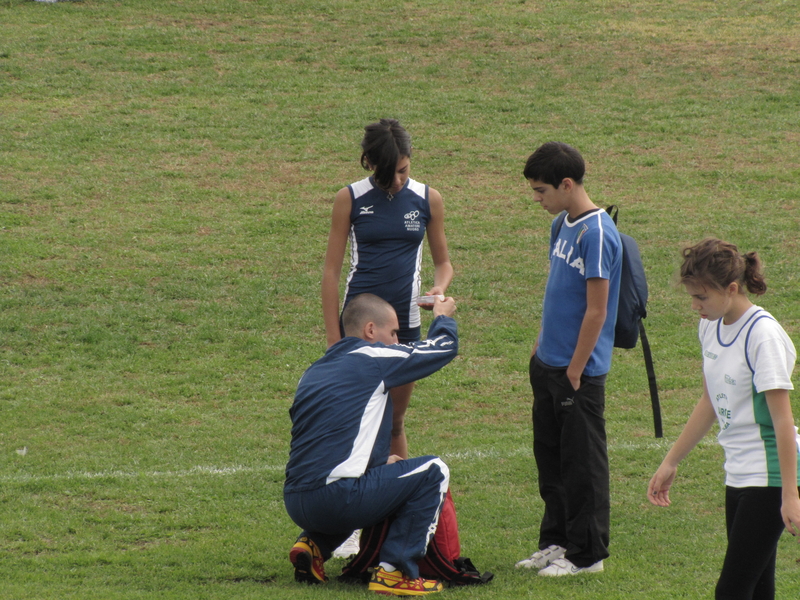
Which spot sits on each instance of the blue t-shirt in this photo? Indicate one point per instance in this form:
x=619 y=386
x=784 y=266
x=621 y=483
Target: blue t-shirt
x=585 y=248
x=386 y=237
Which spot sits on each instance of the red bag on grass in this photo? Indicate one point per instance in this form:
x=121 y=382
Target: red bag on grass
x=443 y=560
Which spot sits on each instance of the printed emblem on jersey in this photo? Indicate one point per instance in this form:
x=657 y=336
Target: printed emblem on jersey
x=367 y=210
x=723 y=410
x=411 y=220
x=583 y=230
x=710 y=355
x=730 y=380
x=558 y=250
x=431 y=343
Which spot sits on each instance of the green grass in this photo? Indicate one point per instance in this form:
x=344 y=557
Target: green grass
x=166 y=177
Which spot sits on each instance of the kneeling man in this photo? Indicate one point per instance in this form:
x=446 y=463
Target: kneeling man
x=340 y=476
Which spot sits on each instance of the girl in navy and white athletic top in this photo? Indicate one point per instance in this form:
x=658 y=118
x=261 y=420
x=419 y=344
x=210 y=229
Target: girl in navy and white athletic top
x=747 y=367
x=386 y=247
x=385 y=218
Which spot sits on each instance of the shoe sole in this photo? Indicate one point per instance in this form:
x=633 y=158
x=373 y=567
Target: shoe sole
x=383 y=591
x=403 y=593
x=387 y=591
x=303 y=573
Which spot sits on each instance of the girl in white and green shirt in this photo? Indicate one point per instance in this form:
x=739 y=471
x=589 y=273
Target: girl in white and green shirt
x=747 y=366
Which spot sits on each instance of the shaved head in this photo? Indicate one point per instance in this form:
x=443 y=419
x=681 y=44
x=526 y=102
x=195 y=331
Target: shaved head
x=363 y=309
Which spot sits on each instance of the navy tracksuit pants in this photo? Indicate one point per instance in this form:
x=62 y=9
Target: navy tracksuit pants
x=412 y=491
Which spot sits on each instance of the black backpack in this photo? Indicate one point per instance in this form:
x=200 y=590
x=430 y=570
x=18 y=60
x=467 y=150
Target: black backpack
x=632 y=309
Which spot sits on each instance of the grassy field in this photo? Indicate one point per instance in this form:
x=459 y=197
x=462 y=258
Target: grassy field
x=167 y=171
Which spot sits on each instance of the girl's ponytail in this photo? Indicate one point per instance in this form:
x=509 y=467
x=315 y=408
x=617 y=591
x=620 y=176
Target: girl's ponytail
x=717 y=264
x=754 y=274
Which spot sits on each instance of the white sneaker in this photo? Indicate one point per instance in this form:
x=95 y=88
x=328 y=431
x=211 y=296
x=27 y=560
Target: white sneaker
x=349 y=547
x=562 y=566
x=541 y=558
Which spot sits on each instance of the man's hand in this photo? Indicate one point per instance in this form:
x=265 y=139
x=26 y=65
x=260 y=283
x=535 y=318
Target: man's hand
x=446 y=307
x=393 y=459
x=432 y=293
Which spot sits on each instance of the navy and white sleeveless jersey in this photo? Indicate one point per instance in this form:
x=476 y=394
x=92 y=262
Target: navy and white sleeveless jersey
x=585 y=248
x=741 y=361
x=386 y=245
x=342 y=411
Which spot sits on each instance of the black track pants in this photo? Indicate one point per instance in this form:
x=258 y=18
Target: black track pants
x=753 y=518
x=569 y=444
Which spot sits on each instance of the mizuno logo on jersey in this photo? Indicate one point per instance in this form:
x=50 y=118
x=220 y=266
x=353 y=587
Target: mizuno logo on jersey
x=367 y=210
x=431 y=342
x=434 y=346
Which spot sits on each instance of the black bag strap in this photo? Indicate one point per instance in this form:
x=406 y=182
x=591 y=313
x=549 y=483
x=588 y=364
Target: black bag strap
x=460 y=572
x=358 y=569
x=559 y=222
x=613 y=212
x=651 y=380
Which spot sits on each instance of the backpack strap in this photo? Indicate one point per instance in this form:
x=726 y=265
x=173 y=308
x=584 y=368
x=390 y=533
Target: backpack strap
x=372 y=538
x=559 y=222
x=461 y=571
x=613 y=211
x=651 y=380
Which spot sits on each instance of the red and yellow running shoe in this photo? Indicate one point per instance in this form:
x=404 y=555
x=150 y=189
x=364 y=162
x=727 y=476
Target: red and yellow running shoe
x=308 y=563
x=395 y=583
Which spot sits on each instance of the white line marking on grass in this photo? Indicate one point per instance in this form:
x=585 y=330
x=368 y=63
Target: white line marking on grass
x=528 y=450
x=197 y=470
x=477 y=454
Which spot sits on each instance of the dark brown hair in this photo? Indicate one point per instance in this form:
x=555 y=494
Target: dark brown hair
x=717 y=264
x=383 y=144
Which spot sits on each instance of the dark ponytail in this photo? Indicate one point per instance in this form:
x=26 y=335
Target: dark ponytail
x=383 y=144
x=754 y=274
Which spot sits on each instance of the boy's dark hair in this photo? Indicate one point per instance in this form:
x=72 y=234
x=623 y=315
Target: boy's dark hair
x=553 y=162
x=383 y=144
x=362 y=309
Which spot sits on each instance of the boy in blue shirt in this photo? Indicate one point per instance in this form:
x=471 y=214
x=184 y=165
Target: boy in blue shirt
x=568 y=367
